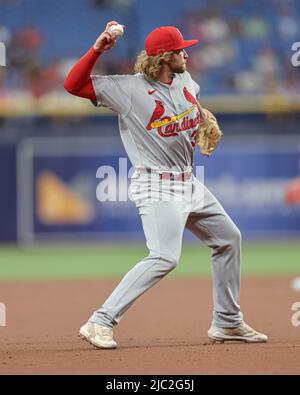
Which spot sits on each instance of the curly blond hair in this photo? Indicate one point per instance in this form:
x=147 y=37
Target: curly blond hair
x=150 y=65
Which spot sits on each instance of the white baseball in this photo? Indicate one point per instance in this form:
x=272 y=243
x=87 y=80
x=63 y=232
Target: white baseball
x=118 y=30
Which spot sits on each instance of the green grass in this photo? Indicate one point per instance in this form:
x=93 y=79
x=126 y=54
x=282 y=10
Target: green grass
x=116 y=260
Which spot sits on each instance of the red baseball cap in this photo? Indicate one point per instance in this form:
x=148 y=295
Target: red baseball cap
x=166 y=39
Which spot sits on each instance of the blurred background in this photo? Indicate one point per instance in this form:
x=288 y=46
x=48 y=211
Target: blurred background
x=51 y=144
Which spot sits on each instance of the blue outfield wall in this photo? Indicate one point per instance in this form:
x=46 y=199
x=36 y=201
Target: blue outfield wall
x=8 y=203
x=49 y=188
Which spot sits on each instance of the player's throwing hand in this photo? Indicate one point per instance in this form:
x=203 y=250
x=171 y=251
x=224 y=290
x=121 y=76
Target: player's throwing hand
x=107 y=39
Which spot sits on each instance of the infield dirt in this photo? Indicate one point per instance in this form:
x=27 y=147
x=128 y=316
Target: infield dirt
x=163 y=333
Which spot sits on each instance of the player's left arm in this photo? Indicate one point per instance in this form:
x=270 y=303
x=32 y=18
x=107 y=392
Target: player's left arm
x=209 y=133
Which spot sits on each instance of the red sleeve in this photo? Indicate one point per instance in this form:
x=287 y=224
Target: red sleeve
x=78 y=81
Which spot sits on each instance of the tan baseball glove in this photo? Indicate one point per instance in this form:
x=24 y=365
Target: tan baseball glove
x=209 y=133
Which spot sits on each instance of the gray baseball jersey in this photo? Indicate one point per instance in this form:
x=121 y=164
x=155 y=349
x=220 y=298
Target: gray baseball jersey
x=157 y=121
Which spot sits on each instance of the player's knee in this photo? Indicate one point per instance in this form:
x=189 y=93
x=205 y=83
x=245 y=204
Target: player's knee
x=167 y=263
x=172 y=263
x=232 y=240
x=235 y=237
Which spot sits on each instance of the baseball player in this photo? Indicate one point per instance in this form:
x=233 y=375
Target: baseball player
x=159 y=116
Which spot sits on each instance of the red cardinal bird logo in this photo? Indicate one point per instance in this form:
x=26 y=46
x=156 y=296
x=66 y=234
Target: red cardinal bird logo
x=189 y=97
x=157 y=114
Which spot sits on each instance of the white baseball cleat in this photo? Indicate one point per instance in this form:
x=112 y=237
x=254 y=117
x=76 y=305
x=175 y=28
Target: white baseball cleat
x=98 y=335
x=243 y=333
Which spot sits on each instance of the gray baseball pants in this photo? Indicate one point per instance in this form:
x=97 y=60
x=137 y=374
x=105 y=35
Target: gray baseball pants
x=166 y=208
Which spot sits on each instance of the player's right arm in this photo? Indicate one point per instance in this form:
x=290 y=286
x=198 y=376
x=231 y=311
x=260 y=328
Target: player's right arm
x=78 y=81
